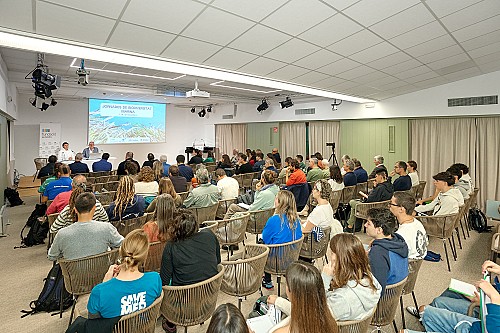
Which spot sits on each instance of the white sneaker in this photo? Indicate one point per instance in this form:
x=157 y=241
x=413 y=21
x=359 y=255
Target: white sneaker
x=413 y=311
x=303 y=213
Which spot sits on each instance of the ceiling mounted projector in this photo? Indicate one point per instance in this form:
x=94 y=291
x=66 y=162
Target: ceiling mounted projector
x=197 y=93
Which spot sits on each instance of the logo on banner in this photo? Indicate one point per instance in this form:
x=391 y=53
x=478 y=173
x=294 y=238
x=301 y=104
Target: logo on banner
x=47 y=134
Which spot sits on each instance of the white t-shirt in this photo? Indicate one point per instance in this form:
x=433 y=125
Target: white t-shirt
x=336 y=186
x=228 y=188
x=415 y=237
x=146 y=188
x=65 y=155
x=322 y=216
x=414 y=178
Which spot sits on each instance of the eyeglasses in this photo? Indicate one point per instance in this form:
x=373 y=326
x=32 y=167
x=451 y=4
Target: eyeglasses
x=393 y=204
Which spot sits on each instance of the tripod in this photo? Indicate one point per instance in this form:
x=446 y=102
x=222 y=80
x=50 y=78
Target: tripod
x=333 y=156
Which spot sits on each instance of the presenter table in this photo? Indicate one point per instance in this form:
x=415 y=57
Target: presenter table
x=89 y=162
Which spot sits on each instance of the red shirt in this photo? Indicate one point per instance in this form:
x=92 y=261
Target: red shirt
x=296 y=177
x=60 y=201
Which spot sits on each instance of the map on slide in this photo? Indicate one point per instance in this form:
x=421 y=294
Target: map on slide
x=112 y=121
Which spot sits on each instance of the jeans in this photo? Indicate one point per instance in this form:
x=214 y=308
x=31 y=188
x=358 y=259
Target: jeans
x=454 y=302
x=445 y=321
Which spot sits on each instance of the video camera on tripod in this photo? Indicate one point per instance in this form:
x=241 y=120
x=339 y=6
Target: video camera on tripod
x=332 y=156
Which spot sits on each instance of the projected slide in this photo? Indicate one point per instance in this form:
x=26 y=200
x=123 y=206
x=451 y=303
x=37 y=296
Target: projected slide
x=113 y=121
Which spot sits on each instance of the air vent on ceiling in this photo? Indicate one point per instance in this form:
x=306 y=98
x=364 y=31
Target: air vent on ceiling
x=305 y=111
x=227 y=116
x=470 y=101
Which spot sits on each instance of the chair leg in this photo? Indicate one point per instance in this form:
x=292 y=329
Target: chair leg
x=458 y=237
x=446 y=252
x=402 y=311
x=279 y=285
x=462 y=227
x=185 y=329
x=453 y=247
x=239 y=303
x=72 y=312
x=395 y=327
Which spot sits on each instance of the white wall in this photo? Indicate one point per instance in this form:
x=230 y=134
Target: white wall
x=7 y=105
x=182 y=129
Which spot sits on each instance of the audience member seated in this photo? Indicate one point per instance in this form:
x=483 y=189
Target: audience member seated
x=90 y=149
x=259 y=162
x=234 y=158
x=307 y=309
x=62 y=199
x=48 y=169
x=132 y=171
x=361 y=174
x=388 y=252
x=127 y=204
x=228 y=186
x=302 y=165
x=165 y=187
x=378 y=160
x=77 y=166
x=224 y=162
x=402 y=206
x=403 y=182
x=336 y=180
x=264 y=197
x=465 y=175
x=322 y=214
x=60 y=185
x=344 y=158
x=210 y=157
x=448 y=312
x=102 y=164
x=146 y=186
x=269 y=165
x=325 y=168
x=85 y=237
x=205 y=194
x=166 y=166
x=350 y=178
x=184 y=170
x=150 y=161
x=382 y=190
x=352 y=292
x=54 y=176
x=65 y=154
x=227 y=318
x=68 y=215
x=157 y=170
x=411 y=167
x=294 y=175
x=162 y=220
x=190 y=256
x=179 y=182
x=125 y=289
x=285 y=166
x=459 y=184
x=282 y=227
x=196 y=158
x=243 y=166
x=315 y=173
x=276 y=155
x=271 y=156
x=129 y=157
x=447 y=201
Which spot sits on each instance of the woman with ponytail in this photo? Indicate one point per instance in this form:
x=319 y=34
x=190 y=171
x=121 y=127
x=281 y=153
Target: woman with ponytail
x=125 y=289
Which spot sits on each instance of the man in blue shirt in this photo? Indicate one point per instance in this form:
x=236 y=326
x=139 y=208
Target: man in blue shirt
x=361 y=174
x=63 y=184
x=184 y=170
x=349 y=178
x=103 y=164
x=166 y=166
x=403 y=183
x=77 y=166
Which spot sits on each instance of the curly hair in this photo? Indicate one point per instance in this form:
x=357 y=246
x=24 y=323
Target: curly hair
x=324 y=189
x=146 y=175
x=184 y=225
x=124 y=195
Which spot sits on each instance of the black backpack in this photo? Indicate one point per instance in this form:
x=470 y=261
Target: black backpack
x=38 y=230
x=477 y=220
x=49 y=299
x=13 y=197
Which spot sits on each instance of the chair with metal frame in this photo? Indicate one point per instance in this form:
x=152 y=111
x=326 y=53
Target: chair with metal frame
x=142 y=321
x=40 y=162
x=312 y=248
x=126 y=226
x=387 y=306
x=413 y=269
x=232 y=231
x=355 y=326
x=203 y=214
x=257 y=221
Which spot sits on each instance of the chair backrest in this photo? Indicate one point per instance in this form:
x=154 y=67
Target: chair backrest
x=225 y=203
x=363 y=207
x=355 y=326
x=183 y=195
x=388 y=304
x=51 y=218
x=461 y=212
x=363 y=187
x=413 y=268
x=81 y=275
x=243 y=273
x=347 y=194
x=335 y=199
x=97 y=187
x=258 y=219
x=105 y=198
x=232 y=231
x=247 y=180
x=239 y=178
x=40 y=162
x=126 y=226
x=313 y=249
x=192 y=304
x=99 y=173
x=282 y=255
x=210 y=225
x=153 y=261
x=203 y=214
x=440 y=226
x=474 y=197
x=149 y=216
x=420 y=191
x=111 y=186
x=142 y=321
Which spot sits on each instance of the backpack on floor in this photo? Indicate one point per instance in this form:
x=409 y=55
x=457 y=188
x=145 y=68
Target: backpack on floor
x=477 y=220
x=432 y=256
x=13 y=197
x=49 y=299
x=38 y=229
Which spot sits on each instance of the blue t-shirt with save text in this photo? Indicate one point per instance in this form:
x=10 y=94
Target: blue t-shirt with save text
x=115 y=297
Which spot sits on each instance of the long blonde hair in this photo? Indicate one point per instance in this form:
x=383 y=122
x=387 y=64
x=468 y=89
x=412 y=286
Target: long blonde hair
x=124 y=195
x=166 y=186
x=287 y=207
x=164 y=214
x=134 y=249
x=158 y=170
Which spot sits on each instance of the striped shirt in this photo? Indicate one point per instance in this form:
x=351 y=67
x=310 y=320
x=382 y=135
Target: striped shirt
x=65 y=217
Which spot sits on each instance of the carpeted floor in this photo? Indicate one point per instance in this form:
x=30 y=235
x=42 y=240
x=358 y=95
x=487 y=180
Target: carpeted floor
x=24 y=270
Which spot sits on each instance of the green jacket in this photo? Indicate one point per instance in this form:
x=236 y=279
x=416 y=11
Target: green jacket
x=202 y=196
x=264 y=198
x=314 y=175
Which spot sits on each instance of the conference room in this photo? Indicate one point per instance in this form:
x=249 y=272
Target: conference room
x=412 y=80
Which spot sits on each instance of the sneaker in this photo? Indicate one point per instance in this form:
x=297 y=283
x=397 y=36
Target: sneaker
x=267 y=285
x=413 y=311
x=167 y=326
x=303 y=213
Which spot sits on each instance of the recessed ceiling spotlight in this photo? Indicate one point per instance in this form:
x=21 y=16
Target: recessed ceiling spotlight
x=286 y=103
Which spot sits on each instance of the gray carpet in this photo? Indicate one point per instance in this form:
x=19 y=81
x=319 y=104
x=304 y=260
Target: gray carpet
x=24 y=269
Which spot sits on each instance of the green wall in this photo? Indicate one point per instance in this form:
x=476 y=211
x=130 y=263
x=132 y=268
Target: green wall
x=263 y=136
x=3 y=157
x=364 y=139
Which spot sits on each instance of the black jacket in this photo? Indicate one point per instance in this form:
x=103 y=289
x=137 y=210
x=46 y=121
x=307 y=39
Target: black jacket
x=121 y=166
x=46 y=171
x=381 y=192
x=377 y=168
x=244 y=168
x=196 y=160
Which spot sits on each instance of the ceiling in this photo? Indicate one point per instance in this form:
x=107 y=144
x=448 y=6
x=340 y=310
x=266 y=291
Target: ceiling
x=375 y=49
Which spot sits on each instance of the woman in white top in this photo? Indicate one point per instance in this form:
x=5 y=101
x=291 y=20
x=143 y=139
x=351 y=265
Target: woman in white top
x=411 y=168
x=146 y=186
x=336 y=180
x=322 y=214
x=307 y=309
